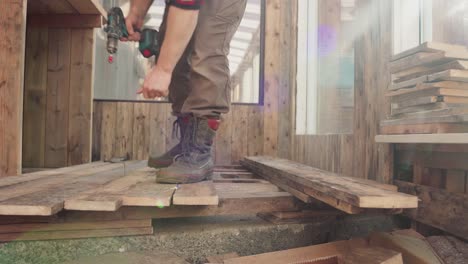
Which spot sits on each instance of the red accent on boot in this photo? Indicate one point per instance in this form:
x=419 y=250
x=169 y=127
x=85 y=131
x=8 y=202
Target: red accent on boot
x=213 y=124
x=186 y=119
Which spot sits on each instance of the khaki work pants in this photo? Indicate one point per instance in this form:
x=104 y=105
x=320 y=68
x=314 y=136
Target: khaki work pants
x=201 y=80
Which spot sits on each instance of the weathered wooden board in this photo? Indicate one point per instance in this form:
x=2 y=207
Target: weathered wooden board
x=357 y=192
x=449 y=75
x=435 y=47
x=203 y=193
x=134 y=188
x=412 y=246
x=435 y=128
x=450 y=138
x=47 y=196
x=438 y=208
x=421 y=71
x=422 y=108
x=431 y=99
x=302 y=255
x=58 y=88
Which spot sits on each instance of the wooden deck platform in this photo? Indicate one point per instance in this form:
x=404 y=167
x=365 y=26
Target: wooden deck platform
x=108 y=187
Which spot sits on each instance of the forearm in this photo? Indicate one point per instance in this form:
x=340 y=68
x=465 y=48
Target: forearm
x=140 y=7
x=181 y=24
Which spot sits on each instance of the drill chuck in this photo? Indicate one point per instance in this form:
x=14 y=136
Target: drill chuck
x=112 y=44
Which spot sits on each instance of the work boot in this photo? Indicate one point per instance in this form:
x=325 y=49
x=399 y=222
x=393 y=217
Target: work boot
x=178 y=131
x=195 y=164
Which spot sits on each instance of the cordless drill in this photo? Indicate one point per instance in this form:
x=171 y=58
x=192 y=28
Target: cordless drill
x=116 y=29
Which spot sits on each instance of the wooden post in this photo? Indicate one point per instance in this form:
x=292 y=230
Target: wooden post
x=12 y=47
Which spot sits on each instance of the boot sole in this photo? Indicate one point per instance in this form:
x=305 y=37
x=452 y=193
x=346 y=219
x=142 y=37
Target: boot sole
x=168 y=180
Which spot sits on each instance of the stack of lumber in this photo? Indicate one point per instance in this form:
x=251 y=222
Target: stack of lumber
x=429 y=90
x=351 y=195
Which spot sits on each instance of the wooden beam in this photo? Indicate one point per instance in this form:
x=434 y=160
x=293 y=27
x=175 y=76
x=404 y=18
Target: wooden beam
x=65 y=21
x=13 y=30
x=438 y=208
x=449 y=138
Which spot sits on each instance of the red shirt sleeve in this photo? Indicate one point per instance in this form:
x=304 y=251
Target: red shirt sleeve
x=186 y=4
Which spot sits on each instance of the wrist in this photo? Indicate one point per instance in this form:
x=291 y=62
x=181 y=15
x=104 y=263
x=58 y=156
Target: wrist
x=164 y=68
x=138 y=13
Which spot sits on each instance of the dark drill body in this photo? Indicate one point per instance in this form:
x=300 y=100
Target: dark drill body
x=116 y=29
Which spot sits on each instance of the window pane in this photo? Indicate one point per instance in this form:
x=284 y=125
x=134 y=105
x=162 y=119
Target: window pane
x=325 y=80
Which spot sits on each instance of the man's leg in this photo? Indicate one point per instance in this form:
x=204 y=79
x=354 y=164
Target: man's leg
x=179 y=89
x=209 y=95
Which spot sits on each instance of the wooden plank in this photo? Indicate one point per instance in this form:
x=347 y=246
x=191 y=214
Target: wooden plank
x=58 y=88
x=430 y=86
x=419 y=59
x=65 y=21
x=456 y=181
x=426 y=120
x=80 y=97
x=110 y=197
x=273 y=26
x=240 y=133
x=452 y=111
x=421 y=71
x=158 y=115
x=450 y=249
x=123 y=131
x=35 y=94
x=75 y=234
x=47 y=173
x=88 y=7
x=44 y=227
x=51 y=7
x=408 y=83
x=377 y=255
x=431 y=99
x=141 y=130
x=223 y=146
x=450 y=75
x=433 y=47
x=438 y=208
x=450 y=138
x=435 y=128
x=97 y=130
x=44 y=198
x=202 y=193
x=230 y=204
x=422 y=108
x=362 y=194
x=255 y=131
x=416 y=93
x=302 y=255
x=109 y=119
x=13 y=19
x=412 y=246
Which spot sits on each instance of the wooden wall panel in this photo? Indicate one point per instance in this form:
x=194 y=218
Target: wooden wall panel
x=35 y=95
x=58 y=102
x=240 y=133
x=58 y=87
x=12 y=47
x=80 y=103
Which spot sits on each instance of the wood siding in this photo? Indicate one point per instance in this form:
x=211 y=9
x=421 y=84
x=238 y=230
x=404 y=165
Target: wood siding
x=136 y=130
x=58 y=97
